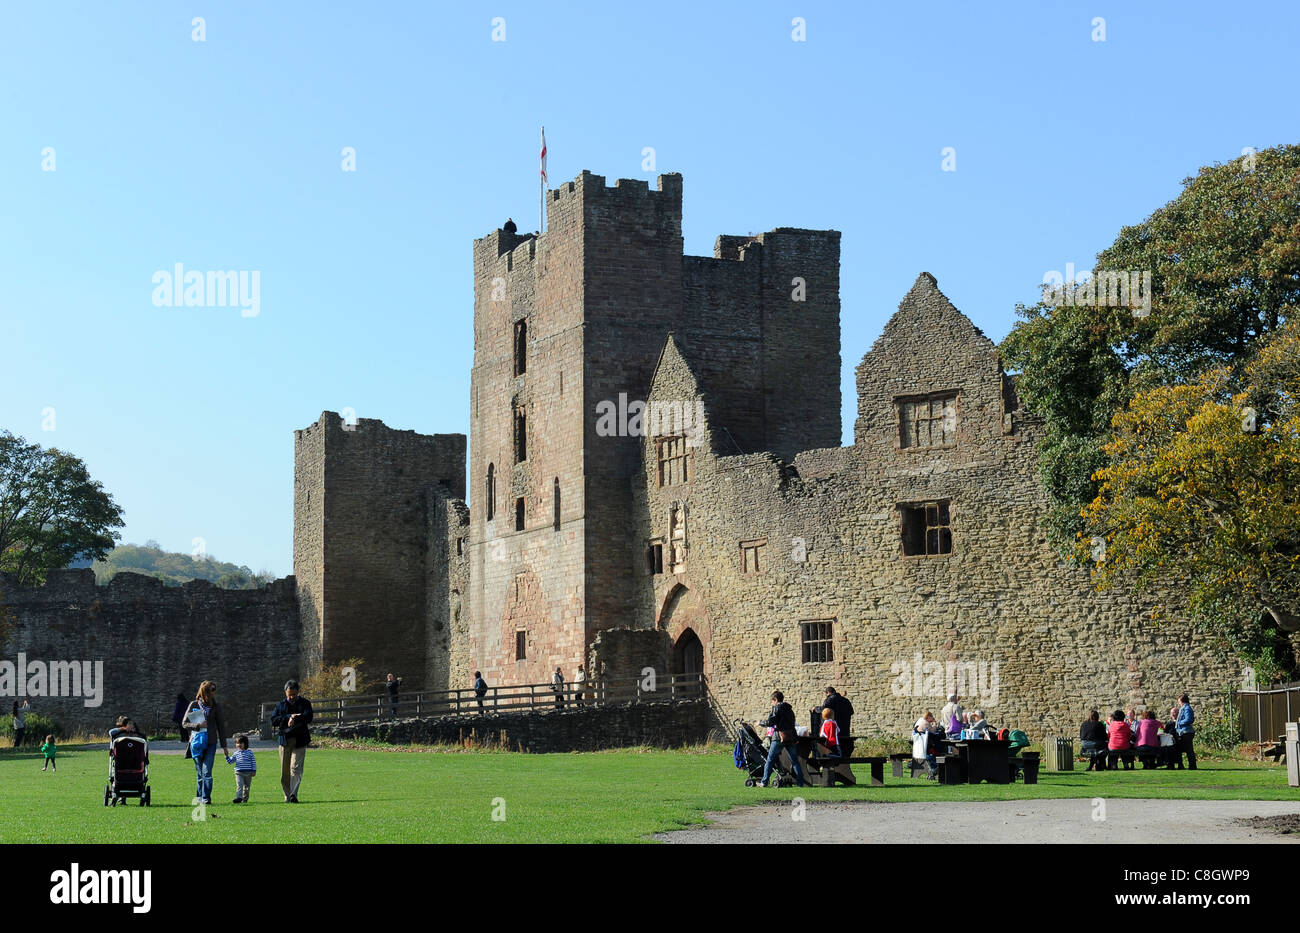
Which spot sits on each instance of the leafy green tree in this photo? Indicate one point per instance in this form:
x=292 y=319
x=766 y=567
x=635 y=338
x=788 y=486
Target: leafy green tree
x=174 y=568
x=51 y=511
x=1202 y=485
x=1224 y=258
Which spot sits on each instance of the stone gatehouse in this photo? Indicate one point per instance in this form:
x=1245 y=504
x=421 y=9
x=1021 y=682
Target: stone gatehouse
x=656 y=480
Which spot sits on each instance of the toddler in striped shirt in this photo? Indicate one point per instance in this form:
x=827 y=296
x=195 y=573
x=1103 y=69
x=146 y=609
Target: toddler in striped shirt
x=245 y=767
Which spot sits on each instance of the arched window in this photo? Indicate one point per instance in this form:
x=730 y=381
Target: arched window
x=491 y=497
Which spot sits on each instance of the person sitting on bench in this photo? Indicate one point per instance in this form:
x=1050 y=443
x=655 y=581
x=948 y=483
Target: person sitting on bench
x=1121 y=741
x=979 y=726
x=1092 y=741
x=1148 y=737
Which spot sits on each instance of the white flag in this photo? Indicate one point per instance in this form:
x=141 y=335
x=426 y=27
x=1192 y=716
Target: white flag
x=544 y=155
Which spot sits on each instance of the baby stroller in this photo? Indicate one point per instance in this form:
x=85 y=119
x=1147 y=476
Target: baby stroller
x=128 y=770
x=751 y=756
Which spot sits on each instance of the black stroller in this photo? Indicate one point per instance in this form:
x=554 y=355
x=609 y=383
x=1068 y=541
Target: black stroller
x=750 y=756
x=128 y=770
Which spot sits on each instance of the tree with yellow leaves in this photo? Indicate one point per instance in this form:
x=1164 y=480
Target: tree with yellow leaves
x=1202 y=485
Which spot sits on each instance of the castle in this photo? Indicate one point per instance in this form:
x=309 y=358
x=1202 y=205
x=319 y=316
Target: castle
x=659 y=483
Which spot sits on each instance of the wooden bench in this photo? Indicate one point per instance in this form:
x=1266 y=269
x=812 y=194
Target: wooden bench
x=1150 y=757
x=825 y=769
x=1096 y=757
x=1278 y=751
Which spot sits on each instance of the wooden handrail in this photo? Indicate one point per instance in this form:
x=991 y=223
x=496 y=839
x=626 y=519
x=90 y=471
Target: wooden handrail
x=462 y=701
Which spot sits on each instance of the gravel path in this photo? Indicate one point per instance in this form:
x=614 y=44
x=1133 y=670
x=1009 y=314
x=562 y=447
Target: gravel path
x=1027 y=821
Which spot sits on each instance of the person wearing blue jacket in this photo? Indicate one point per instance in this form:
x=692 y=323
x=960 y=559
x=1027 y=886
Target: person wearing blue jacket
x=1186 y=731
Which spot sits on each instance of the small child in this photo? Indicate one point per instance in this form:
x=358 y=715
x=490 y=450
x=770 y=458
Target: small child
x=245 y=768
x=48 y=751
x=830 y=733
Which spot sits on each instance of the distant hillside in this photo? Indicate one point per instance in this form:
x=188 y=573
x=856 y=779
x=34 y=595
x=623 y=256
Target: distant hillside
x=175 y=569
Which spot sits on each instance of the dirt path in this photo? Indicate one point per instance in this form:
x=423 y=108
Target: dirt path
x=1028 y=821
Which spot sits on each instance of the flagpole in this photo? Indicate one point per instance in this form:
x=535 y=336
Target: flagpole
x=541 y=189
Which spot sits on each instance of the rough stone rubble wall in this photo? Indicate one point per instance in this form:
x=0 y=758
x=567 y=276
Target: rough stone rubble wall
x=156 y=641
x=1002 y=602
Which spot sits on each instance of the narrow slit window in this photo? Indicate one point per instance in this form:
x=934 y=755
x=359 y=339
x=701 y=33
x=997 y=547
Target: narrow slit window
x=521 y=347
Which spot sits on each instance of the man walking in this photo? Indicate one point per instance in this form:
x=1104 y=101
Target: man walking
x=1186 y=731
x=839 y=704
x=291 y=717
x=580 y=686
x=784 y=738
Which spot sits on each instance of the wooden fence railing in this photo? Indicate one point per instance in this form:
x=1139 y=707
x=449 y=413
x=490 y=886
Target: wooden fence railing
x=504 y=698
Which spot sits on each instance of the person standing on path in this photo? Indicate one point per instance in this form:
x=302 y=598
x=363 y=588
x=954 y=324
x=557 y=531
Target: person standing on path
x=291 y=717
x=20 y=721
x=557 y=685
x=1186 y=731
x=580 y=686
x=178 y=717
x=204 y=715
x=392 y=685
x=480 y=690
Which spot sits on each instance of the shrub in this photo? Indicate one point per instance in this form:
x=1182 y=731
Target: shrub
x=881 y=744
x=328 y=683
x=1216 y=731
x=38 y=727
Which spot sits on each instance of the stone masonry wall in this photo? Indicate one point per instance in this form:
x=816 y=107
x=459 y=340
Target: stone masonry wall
x=1038 y=646
x=364 y=585
x=584 y=729
x=155 y=641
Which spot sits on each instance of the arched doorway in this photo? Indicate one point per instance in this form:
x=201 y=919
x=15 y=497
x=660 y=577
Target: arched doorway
x=688 y=653
x=686 y=622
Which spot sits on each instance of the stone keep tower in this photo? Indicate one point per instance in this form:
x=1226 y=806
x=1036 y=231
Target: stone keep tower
x=364 y=499
x=574 y=319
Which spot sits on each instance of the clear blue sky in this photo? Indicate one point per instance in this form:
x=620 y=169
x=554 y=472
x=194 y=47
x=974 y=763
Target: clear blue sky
x=225 y=154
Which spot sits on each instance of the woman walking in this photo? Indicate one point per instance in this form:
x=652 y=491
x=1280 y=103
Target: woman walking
x=203 y=716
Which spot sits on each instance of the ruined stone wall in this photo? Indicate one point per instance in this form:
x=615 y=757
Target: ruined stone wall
x=365 y=568
x=1047 y=646
x=575 y=729
x=309 y=538
x=801 y=339
x=155 y=641
x=446 y=598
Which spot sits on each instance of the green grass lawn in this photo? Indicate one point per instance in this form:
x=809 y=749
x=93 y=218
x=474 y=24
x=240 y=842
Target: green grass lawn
x=393 y=796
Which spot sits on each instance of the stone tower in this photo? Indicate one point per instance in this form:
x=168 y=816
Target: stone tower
x=571 y=323
x=365 y=498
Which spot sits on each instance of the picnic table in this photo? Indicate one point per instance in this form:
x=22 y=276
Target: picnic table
x=824 y=771
x=984 y=759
